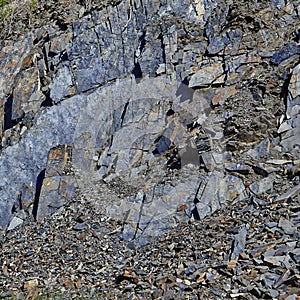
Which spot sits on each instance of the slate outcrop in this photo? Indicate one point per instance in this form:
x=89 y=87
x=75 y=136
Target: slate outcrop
x=159 y=112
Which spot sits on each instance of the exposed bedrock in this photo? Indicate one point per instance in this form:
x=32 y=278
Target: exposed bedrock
x=158 y=112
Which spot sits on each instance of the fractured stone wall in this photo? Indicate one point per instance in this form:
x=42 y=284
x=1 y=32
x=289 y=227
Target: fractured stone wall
x=170 y=109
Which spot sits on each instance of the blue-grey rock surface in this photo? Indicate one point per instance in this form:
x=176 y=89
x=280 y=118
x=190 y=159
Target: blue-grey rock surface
x=160 y=103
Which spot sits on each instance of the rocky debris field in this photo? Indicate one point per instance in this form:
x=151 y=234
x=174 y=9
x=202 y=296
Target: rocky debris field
x=245 y=250
x=150 y=149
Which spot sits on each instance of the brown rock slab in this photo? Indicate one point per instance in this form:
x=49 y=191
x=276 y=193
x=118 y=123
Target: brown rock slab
x=223 y=95
x=26 y=84
x=59 y=161
x=59 y=184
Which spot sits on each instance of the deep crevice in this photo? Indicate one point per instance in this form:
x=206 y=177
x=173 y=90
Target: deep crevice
x=163 y=47
x=195 y=214
x=45 y=57
x=8 y=122
x=297 y=35
x=17 y=205
x=135 y=5
x=124 y=113
x=38 y=188
x=285 y=89
x=163 y=144
x=139 y=217
x=64 y=56
x=109 y=24
x=137 y=71
x=170 y=112
x=48 y=101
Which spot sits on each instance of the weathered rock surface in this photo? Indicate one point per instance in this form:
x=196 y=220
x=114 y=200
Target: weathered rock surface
x=59 y=183
x=154 y=104
x=159 y=113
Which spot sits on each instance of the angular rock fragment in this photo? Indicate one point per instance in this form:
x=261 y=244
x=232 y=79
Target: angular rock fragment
x=262 y=186
x=286 y=226
x=31 y=284
x=274 y=260
x=223 y=95
x=62 y=85
x=284 y=277
x=284 y=127
x=207 y=75
x=239 y=244
x=290 y=193
x=290 y=129
x=26 y=94
x=294 y=86
x=15 y=222
x=14 y=59
x=218 y=43
x=216 y=190
x=269 y=279
x=26 y=197
x=59 y=161
x=287 y=51
x=261 y=150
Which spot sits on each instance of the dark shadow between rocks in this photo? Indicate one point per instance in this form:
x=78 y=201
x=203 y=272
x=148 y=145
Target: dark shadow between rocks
x=39 y=183
x=8 y=122
x=285 y=89
x=48 y=101
x=195 y=213
x=137 y=72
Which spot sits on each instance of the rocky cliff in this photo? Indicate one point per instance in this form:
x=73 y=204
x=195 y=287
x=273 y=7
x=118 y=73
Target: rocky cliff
x=158 y=112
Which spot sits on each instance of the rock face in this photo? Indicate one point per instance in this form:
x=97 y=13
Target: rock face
x=161 y=112
x=58 y=184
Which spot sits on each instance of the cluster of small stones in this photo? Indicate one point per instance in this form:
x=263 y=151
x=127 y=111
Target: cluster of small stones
x=247 y=250
x=195 y=107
